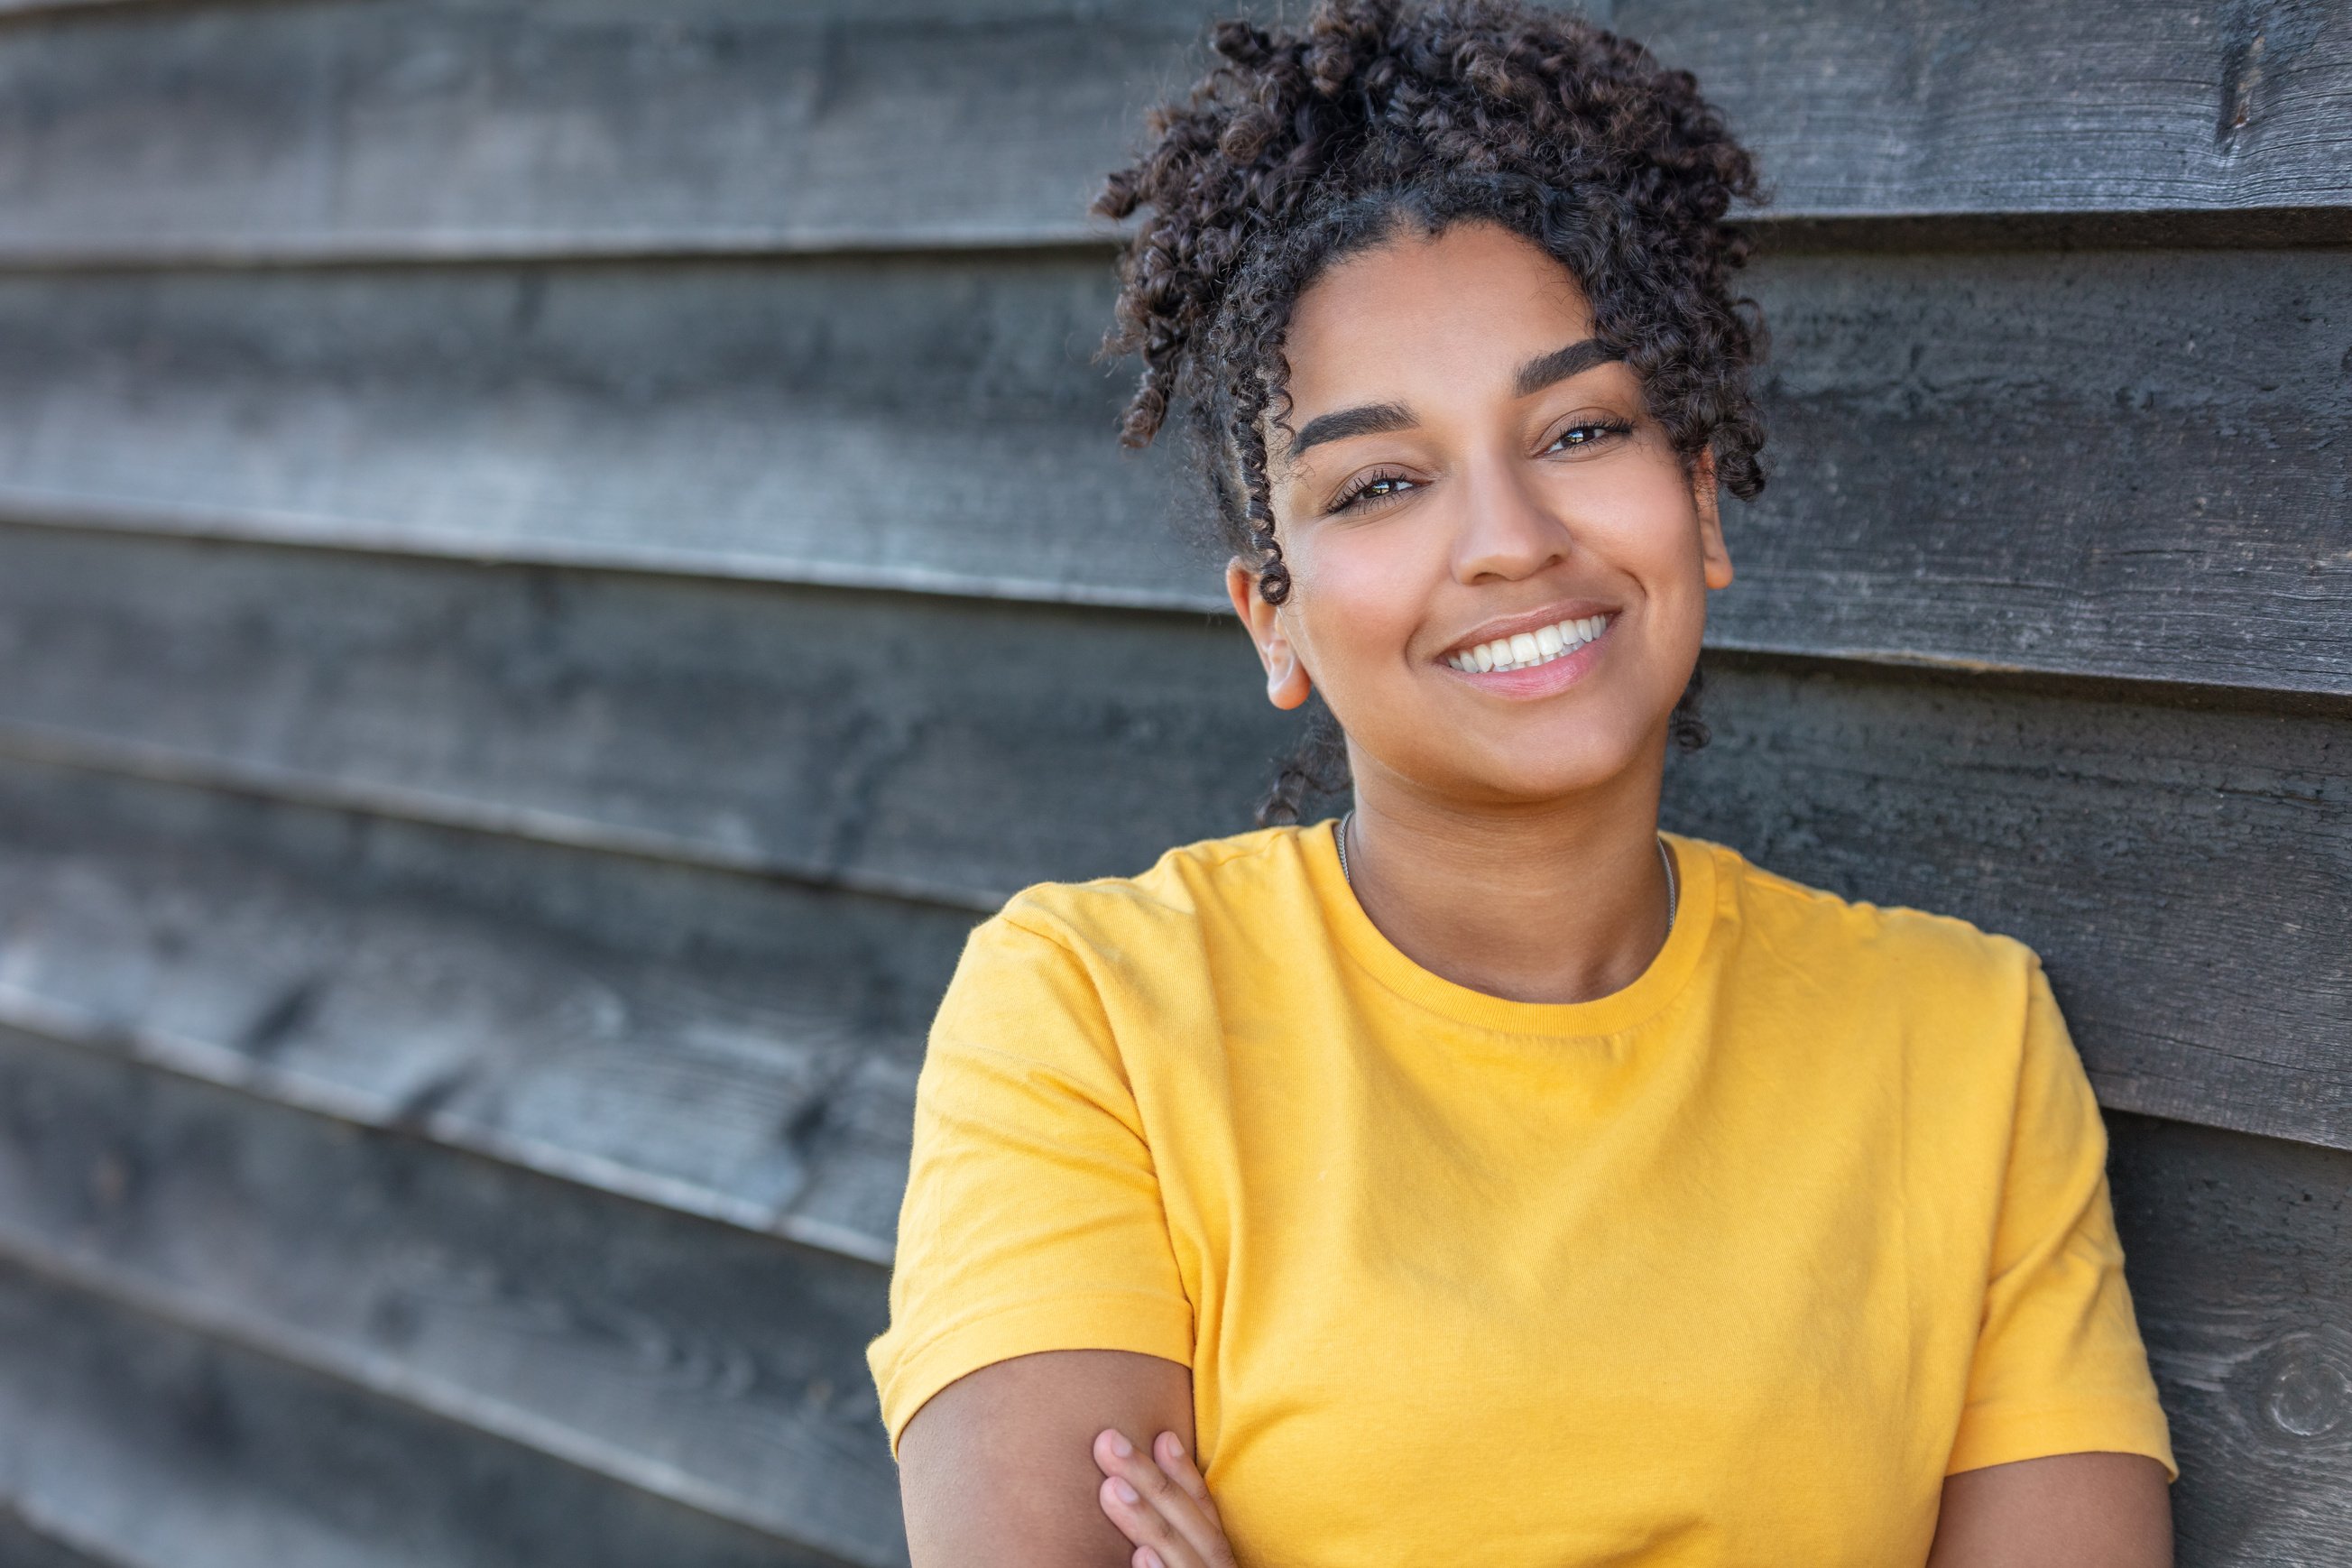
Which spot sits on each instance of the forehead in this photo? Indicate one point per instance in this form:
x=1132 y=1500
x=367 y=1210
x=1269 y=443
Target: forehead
x=1462 y=310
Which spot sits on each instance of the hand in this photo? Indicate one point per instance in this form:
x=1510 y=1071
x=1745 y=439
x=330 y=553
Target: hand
x=1161 y=1503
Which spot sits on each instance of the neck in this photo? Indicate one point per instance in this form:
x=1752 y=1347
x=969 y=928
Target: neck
x=1558 y=900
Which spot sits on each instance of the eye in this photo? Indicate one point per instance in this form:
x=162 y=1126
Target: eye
x=1589 y=433
x=1367 y=490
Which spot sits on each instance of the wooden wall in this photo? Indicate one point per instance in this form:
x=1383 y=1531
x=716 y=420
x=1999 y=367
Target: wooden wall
x=554 y=556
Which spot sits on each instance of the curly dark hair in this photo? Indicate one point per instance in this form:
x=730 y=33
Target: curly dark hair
x=1305 y=145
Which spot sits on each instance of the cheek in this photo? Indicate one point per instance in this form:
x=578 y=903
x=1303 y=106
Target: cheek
x=1361 y=595
x=1644 y=523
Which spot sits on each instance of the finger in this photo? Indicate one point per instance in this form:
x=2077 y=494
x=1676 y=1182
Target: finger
x=1177 y=1464
x=1134 y=1479
x=1146 y=1528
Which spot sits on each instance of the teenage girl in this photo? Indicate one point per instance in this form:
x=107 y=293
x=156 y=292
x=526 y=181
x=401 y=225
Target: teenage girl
x=1486 y=1177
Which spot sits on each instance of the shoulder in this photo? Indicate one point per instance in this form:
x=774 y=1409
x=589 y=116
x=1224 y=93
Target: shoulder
x=1927 y=957
x=1209 y=882
x=1086 y=972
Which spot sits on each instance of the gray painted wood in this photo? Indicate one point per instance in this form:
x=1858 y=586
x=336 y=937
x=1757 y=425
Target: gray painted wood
x=2240 y=1253
x=721 y=1371
x=2124 y=463
x=164 y=1448
x=735 y=1047
x=244 y=132
x=966 y=749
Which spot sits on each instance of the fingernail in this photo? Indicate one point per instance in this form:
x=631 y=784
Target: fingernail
x=1126 y=1493
x=1151 y=1559
x=1175 y=1444
x=1121 y=1445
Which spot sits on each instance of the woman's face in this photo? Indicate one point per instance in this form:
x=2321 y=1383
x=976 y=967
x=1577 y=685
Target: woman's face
x=1499 y=566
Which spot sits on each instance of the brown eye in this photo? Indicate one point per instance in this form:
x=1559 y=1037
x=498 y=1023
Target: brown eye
x=1370 y=490
x=1590 y=433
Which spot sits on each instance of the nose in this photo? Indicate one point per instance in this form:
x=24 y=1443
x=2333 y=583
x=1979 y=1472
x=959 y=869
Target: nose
x=1508 y=530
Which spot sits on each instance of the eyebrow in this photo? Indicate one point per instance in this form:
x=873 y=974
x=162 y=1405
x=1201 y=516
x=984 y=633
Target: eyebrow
x=1379 y=418
x=1560 y=364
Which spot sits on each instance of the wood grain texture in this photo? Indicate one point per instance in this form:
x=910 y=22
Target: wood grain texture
x=2115 y=463
x=900 y=421
x=955 y=749
x=2240 y=1253
x=2180 y=865
x=271 y=131
x=719 y=1371
x=1880 y=107
x=24 y=1544
x=2122 y=464
x=734 y=1047
x=166 y=1448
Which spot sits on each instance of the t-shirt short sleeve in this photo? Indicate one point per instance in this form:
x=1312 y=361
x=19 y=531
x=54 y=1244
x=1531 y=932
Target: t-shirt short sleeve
x=1033 y=1219
x=2059 y=1366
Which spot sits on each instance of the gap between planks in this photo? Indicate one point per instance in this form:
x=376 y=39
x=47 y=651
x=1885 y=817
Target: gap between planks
x=32 y=508
x=223 y=1067
x=387 y=1379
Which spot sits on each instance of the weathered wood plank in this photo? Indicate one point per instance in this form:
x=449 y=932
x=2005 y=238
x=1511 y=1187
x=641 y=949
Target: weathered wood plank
x=936 y=745
x=895 y=421
x=2239 y=1252
x=739 y=1049
x=719 y=1371
x=23 y=1544
x=1883 y=108
x=2115 y=463
x=163 y=1448
x=2125 y=464
x=2181 y=865
x=239 y=133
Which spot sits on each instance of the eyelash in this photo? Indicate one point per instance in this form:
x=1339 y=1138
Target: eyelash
x=1356 y=495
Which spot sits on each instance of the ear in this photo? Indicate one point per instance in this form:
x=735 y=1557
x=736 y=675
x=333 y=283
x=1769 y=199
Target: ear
x=1708 y=497
x=1286 y=683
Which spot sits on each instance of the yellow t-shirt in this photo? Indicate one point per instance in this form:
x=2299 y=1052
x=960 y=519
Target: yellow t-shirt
x=1732 y=1266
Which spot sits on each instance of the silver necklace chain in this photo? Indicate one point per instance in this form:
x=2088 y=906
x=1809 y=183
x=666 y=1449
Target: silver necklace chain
x=1665 y=859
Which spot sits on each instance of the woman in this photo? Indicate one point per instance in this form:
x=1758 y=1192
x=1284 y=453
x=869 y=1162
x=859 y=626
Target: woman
x=1487 y=1177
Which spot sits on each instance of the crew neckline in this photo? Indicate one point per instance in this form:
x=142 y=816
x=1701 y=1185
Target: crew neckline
x=1696 y=918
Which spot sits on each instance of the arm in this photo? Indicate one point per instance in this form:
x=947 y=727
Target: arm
x=997 y=1469
x=2069 y=1511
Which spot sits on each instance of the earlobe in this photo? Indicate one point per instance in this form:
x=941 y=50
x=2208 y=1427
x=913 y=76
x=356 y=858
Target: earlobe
x=1714 y=556
x=1288 y=684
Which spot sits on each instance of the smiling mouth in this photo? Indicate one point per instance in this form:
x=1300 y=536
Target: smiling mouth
x=1526 y=650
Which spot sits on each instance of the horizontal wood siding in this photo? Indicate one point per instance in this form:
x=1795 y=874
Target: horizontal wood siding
x=554 y=558
x=2148 y=465
x=150 y=1440
x=260 y=131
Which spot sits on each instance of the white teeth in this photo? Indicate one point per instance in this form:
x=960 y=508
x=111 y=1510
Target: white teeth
x=1524 y=650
